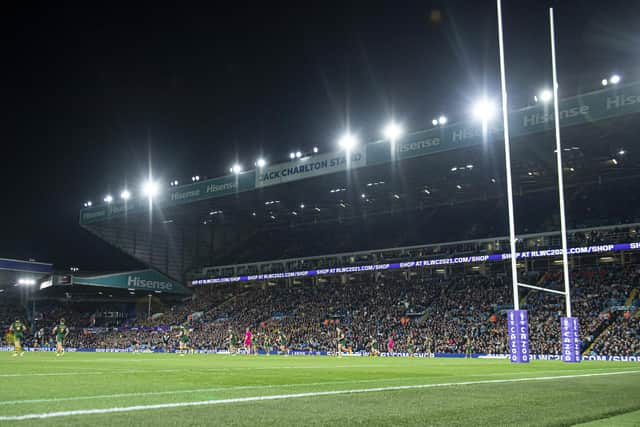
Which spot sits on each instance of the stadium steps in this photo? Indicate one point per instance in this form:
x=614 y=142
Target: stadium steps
x=596 y=339
x=632 y=296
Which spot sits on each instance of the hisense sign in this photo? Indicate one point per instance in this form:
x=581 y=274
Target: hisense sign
x=136 y=282
x=147 y=280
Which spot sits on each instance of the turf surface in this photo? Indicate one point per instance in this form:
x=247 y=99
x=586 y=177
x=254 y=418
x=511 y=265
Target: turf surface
x=166 y=389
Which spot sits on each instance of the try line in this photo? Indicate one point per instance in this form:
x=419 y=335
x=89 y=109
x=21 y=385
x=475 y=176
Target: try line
x=45 y=415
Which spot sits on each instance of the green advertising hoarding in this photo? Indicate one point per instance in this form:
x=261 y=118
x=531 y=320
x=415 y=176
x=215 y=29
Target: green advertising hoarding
x=311 y=167
x=139 y=280
x=211 y=188
x=208 y=189
x=577 y=110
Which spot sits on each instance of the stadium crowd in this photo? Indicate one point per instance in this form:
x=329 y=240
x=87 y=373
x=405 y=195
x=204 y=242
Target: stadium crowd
x=433 y=314
x=622 y=338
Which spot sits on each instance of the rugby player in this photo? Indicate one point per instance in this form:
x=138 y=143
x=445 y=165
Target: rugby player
x=183 y=336
x=341 y=342
x=232 y=342
x=18 y=329
x=267 y=344
x=373 y=347
x=282 y=343
x=60 y=331
x=247 y=341
x=410 y=345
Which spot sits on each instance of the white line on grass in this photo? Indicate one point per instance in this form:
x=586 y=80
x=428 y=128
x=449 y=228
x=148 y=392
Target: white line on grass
x=252 y=387
x=196 y=390
x=289 y=396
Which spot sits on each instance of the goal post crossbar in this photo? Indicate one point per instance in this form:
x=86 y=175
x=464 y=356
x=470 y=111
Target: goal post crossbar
x=538 y=288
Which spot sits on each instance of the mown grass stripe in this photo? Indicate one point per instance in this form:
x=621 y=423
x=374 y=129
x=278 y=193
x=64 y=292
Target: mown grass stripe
x=95 y=411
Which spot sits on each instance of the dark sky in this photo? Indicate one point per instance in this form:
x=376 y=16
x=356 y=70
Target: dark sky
x=86 y=89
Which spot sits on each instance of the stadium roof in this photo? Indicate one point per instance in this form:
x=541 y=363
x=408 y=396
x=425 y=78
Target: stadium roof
x=584 y=109
x=192 y=225
x=15 y=273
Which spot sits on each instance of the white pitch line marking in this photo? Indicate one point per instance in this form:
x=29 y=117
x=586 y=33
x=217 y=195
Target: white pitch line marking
x=197 y=390
x=45 y=415
x=249 y=387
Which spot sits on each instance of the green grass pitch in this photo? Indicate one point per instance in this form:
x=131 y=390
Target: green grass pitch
x=166 y=389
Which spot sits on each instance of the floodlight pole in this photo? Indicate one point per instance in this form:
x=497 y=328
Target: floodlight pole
x=556 y=121
x=507 y=161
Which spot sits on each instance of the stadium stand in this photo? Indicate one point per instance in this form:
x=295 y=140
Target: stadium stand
x=441 y=314
x=412 y=204
x=622 y=338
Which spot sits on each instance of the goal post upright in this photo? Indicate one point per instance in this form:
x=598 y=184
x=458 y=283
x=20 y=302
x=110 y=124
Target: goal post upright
x=517 y=320
x=507 y=161
x=556 y=121
x=569 y=326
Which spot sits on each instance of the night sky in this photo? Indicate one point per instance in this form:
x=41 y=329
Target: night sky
x=89 y=91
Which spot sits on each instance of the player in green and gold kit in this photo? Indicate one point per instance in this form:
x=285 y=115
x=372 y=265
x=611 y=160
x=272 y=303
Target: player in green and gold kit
x=374 y=347
x=61 y=331
x=427 y=347
x=18 y=329
x=183 y=335
x=267 y=344
x=232 y=342
x=341 y=342
x=410 y=345
x=282 y=343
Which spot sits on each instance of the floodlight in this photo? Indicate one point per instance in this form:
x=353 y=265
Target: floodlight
x=545 y=96
x=614 y=79
x=347 y=142
x=483 y=110
x=150 y=188
x=108 y=198
x=236 y=168
x=393 y=131
x=125 y=195
x=442 y=120
x=261 y=162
